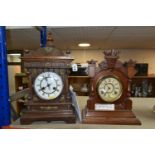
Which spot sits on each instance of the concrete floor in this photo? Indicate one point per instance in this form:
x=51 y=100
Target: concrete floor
x=142 y=107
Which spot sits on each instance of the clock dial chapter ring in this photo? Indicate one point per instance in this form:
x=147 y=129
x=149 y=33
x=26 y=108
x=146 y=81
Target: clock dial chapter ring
x=109 y=88
x=48 y=85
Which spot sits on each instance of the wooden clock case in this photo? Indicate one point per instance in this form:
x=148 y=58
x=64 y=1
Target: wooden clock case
x=47 y=59
x=122 y=114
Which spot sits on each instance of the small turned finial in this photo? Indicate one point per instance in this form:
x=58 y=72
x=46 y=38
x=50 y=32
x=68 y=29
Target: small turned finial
x=91 y=67
x=131 y=63
x=50 y=39
x=131 y=68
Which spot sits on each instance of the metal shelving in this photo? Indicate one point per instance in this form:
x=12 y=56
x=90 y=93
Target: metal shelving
x=5 y=119
x=43 y=36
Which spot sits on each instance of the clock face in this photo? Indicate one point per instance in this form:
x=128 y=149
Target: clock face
x=109 y=89
x=48 y=85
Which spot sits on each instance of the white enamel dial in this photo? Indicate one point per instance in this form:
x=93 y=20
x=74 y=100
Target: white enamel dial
x=48 y=85
x=109 y=89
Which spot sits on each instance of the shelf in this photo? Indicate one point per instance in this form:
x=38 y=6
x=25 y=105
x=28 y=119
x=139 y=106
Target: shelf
x=143 y=86
x=78 y=82
x=144 y=77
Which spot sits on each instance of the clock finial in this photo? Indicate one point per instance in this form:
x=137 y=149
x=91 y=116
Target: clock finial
x=111 y=57
x=131 y=68
x=50 y=39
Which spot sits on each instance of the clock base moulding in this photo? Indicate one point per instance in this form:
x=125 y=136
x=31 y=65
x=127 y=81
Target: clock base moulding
x=52 y=112
x=32 y=116
x=119 y=117
x=108 y=113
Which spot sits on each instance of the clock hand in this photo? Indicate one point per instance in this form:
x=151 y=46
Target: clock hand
x=54 y=88
x=43 y=88
x=53 y=91
x=46 y=78
x=48 y=85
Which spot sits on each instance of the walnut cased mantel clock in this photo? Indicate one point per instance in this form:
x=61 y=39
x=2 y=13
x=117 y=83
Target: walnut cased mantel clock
x=109 y=101
x=49 y=98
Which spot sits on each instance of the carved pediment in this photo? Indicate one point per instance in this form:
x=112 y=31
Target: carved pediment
x=48 y=53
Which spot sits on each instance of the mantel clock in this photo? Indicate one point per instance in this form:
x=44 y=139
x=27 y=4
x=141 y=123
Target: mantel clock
x=49 y=98
x=109 y=101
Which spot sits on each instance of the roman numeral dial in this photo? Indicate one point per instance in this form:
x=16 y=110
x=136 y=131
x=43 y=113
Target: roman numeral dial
x=48 y=85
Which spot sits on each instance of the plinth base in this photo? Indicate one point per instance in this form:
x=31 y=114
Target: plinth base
x=125 y=117
x=29 y=117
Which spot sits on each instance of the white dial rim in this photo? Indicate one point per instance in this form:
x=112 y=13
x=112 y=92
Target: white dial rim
x=48 y=93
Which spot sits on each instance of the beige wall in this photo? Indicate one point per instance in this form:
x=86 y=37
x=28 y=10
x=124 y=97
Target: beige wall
x=12 y=70
x=140 y=55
